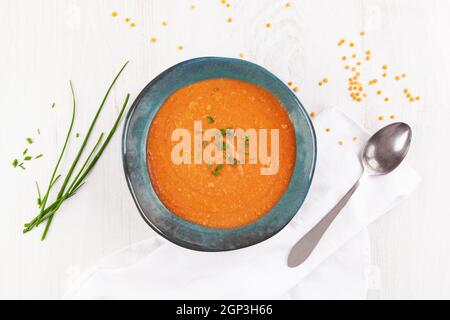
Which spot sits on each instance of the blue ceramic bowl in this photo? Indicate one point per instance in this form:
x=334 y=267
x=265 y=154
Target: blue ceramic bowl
x=135 y=133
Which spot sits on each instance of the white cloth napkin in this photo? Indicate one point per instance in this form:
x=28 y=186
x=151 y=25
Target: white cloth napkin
x=337 y=269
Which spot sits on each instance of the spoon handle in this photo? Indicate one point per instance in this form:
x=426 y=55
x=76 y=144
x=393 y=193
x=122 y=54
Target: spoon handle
x=303 y=248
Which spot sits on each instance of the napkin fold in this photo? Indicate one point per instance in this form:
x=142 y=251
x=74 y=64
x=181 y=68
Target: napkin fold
x=337 y=269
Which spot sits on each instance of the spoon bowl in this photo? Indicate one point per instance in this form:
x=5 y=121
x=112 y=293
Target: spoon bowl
x=386 y=149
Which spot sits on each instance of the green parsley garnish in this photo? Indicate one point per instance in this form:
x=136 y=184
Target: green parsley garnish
x=217 y=169
x=224 y=131
x=29 y=140
x=210 y=119
x=15 y=163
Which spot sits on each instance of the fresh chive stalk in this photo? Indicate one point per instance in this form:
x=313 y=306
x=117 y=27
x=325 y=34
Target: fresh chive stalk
x=39 y=199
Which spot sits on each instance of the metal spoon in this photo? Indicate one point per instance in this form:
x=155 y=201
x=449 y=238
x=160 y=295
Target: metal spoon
x=384 y=151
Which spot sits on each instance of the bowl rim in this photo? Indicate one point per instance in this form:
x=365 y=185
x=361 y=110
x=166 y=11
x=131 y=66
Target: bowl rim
x=135 y=104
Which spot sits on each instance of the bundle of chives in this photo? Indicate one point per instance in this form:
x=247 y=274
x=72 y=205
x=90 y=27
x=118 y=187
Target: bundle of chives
x=70 y=186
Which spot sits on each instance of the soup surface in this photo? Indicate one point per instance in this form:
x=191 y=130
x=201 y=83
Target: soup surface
x=208 y=194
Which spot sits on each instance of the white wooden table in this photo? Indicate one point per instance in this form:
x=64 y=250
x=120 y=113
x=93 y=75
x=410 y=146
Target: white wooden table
x=44 y=43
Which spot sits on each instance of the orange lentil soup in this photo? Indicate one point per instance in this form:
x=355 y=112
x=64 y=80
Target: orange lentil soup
x=237 y=194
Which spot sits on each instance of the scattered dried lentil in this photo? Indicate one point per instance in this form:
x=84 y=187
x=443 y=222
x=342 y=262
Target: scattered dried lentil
x=355 y=87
